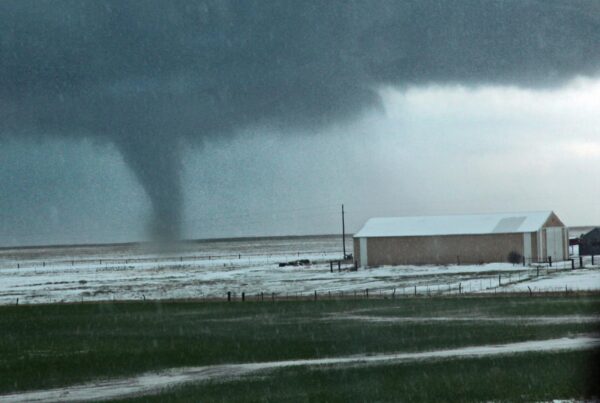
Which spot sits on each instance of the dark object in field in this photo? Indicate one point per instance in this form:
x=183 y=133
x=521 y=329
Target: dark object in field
x=299 y=262
x=514 y=257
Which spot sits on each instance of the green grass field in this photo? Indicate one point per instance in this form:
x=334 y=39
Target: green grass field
x=43 y=346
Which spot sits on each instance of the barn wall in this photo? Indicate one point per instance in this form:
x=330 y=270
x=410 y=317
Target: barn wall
x=554 y=221
x=442 y=249
x=357 y=250
x=534 y=246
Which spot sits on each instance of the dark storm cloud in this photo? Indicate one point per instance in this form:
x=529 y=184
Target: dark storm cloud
x=148 y=75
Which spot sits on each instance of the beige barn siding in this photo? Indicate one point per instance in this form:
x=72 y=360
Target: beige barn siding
x=553 y=221
x=441 y=249
x=534 y=246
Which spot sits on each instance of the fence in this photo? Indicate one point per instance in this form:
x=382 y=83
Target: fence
x=159 y=259
x=575 y=262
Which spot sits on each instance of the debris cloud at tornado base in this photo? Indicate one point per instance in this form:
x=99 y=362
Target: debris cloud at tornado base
x=152 y=76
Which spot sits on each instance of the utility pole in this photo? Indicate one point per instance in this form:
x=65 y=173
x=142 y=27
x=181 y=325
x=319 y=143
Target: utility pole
x=343 y=232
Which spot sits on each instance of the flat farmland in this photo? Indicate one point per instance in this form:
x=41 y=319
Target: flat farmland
x=438 y=348
x=212 y=269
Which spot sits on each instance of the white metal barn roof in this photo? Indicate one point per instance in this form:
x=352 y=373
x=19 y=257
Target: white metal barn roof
x=502 y=223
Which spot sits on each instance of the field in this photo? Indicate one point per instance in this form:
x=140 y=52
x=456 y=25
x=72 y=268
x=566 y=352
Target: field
x=209 y=270
x=122 y=322
x=443 y=348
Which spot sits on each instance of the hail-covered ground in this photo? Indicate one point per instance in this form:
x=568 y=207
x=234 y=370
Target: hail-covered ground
x=211 y=269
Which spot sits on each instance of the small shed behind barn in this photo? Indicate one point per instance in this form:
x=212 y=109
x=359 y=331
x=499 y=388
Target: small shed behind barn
x=589 y=243
x=456 y=239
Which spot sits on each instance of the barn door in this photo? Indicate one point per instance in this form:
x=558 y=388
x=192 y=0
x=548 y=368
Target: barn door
x=554 y=243
x=364 y=259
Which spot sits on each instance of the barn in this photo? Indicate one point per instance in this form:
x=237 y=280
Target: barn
x=458 y=239
x=589 y=243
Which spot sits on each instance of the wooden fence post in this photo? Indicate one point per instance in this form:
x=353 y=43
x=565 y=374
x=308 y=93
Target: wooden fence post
x=228 y=296
x=550 y=260
x=339 y=266
x=367 y=293
x=243 y=296
x=580 y=262
x=572 y=264
x=331 y=266
x=262 y=296
x=315 y=295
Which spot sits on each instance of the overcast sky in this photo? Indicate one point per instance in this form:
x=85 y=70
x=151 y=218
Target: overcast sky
x=477 y=117
x=431 y=150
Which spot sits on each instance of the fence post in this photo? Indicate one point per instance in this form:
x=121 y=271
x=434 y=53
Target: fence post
x=580 y=261
x=243 y=296
x=367 y=293
x=228 y=296
x=572 y=264
x=592 y=260
x=537 y=274
x=415 y=291
x=523 y=261
x=273 y=296
x=394 y=293
x=315 y=295
x=459 y=288
x=499 y=280
x=339 y=266
x=331 y=266
x=262 y=296
x=550 y=260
